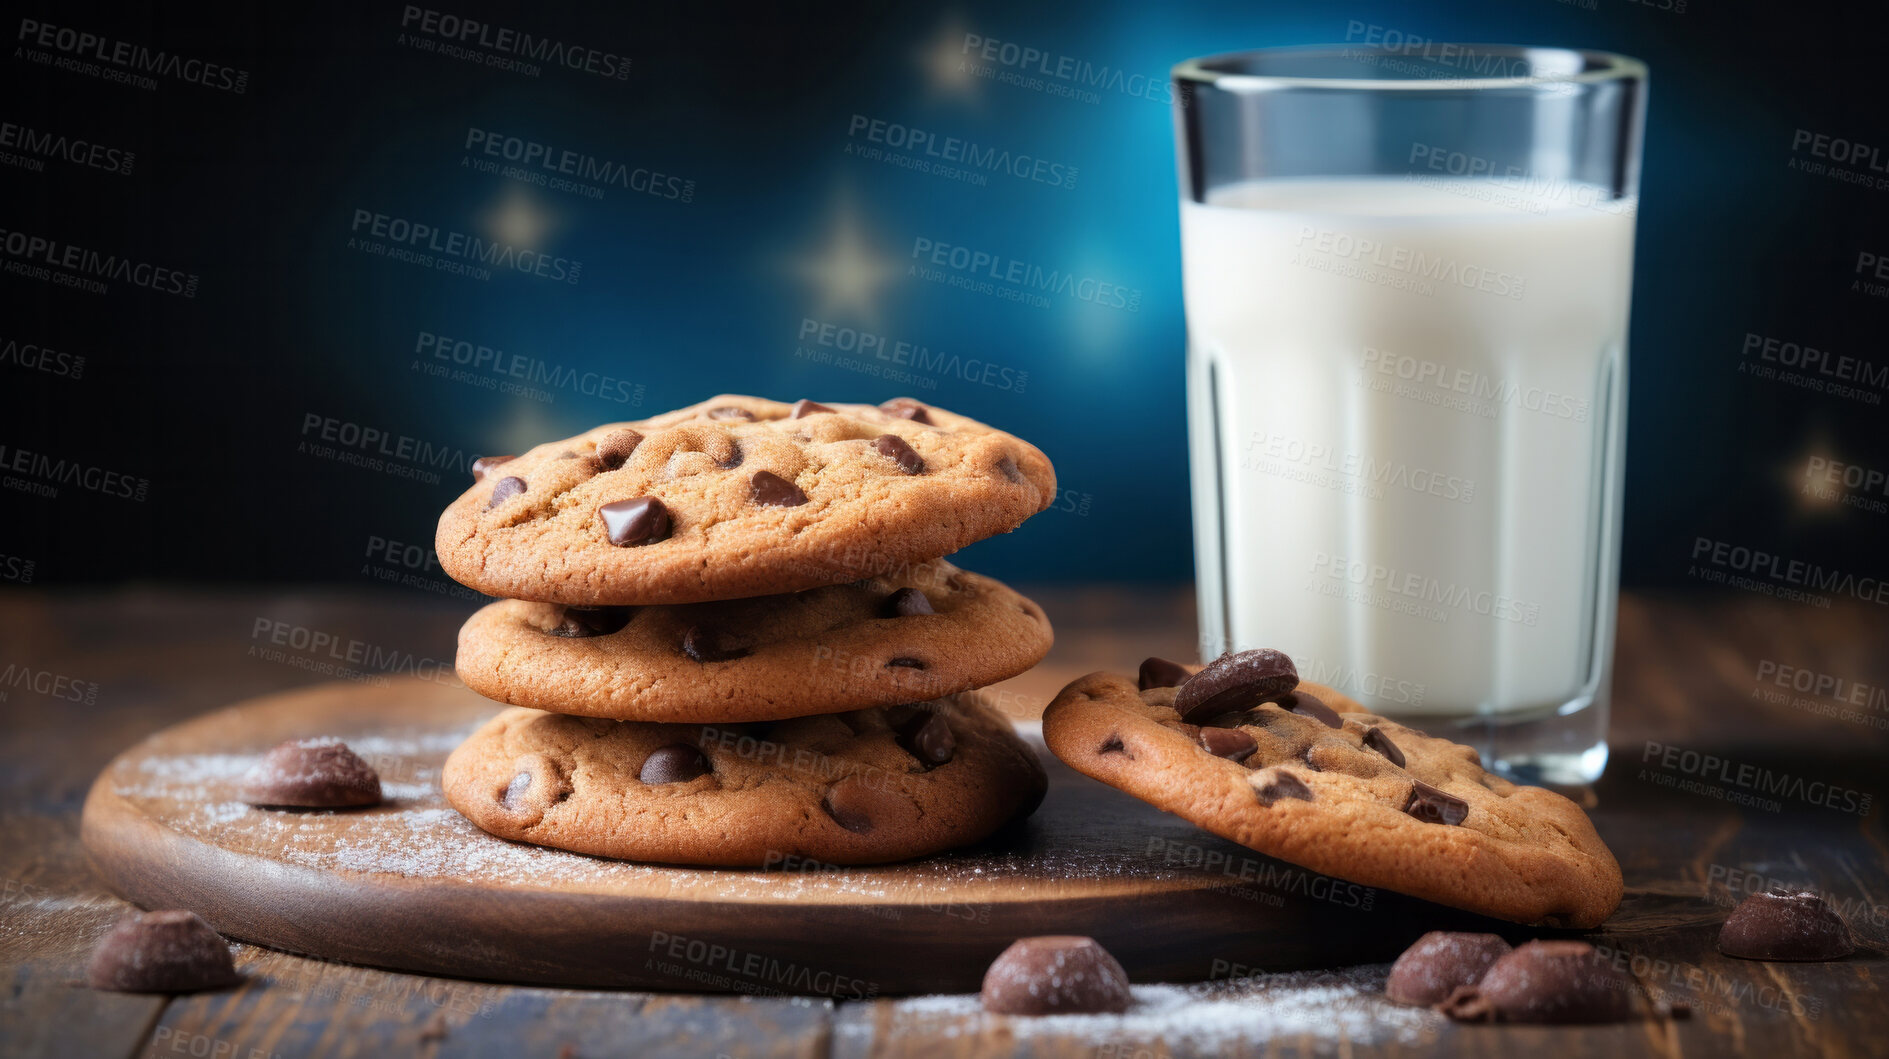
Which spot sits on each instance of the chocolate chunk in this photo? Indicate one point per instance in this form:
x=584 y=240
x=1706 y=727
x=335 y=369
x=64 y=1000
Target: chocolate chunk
x=513 y=797
x=928 y=738
x=1442 y=960
x=803 y=408
x=906 y=408
x=644 y=520
x=1433 y=806
x=1161 y=673
x=675 y=763
x=1056 y=975
x=1274 y=784
x=311 y=774
x=906 y=662
x=855 y=804
x=1229 y=743
x=766 y=487
x=728 y=411
x=581 y=622
x=1548 y=982
x=1112 y=745
x=1381 y=743
x=895 y=449
x=1781 y=925
x=484 y=464
x=1008 y=468
x=170 y=951
x=1310 y=705
x=505 y=490
x=906 y=603
x=1236 y=682
x=703 y=644
x=615 y=448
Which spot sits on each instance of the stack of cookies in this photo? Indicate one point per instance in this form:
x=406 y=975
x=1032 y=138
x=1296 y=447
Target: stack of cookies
x=729 y=639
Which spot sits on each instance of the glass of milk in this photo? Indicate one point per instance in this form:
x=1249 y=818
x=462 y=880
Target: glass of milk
x=1407 y=275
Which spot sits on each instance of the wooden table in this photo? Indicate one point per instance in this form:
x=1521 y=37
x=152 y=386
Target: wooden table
x=91 y=672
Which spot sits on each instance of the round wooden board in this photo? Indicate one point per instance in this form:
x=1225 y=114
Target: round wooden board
x=411 y=885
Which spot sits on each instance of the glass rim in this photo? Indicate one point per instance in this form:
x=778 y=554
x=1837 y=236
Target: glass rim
x=1597 y=67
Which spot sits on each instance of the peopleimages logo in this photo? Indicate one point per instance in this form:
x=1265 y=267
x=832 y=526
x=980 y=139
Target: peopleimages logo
x=38 y=257
x=471 y=32
x=38 y=144
x=420 y=241
x=133 y=57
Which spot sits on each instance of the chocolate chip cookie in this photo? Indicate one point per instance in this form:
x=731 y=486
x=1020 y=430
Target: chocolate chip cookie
x=738 y=496
x=1301 y=772
x=864 y=787
x=931 y=630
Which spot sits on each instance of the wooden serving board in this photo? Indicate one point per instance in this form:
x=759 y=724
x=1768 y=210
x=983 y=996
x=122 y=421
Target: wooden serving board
x=411 y=885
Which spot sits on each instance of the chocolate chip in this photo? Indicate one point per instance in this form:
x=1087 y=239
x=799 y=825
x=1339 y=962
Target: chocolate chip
x=928 y=738
x=1310 y=705
x=1056 y=975
x=675 y=763
x=766 y=487
x=505 y=490
x=894 y=448
x=169 y=951
x=854 y=804
x=311 y=774
x=906 y=408
x=578 y=623
x=1229 y=743
x=703 y=644
x=615 y=448
x=1008 y=468
x=513 y=797
x=1781 y=925
x=484 y=464
x=1236 y=682
x=905 y=662
x=1547 y=982
x=1161 y=673
x=1381 y=743
x=1433 y=806
x=1112 y=745
x=1442 y=960
x=906 y=603
x=644 y=520
x=728 y=411
x=1273 y=784
x=803 y=408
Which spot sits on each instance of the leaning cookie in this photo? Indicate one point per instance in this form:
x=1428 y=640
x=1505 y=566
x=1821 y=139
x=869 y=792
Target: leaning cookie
x=932 y=630
x=737 y=496
x=855 y=788
x=1321 y=783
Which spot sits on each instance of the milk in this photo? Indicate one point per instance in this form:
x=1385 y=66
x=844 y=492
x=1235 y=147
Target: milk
x=1405 y=405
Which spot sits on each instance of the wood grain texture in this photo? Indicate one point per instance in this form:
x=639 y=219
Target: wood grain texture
x=1688 y=675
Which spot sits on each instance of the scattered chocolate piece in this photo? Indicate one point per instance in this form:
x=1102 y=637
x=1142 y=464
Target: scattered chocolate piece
x=1781 y=925
x=675 y=763
x=579 y=623
x=1229 y=743
x=766 y=487
x=895 y=449
x=703 y=644
x=644 y=520
x=311 y=774
x=928 y=738
x=728 y=411
x=1057 y=974
x=906 y=408
x=1381 y=743
x=907 y=603
x=1236 y=682
x=505 y=490
x=1434 y=806
x=615 y=448
x=1161 y=673
x=853 y=803
x=169 y=951
x=1546 y=981
x=1441 y=961
x=1273 y=784
x=1310 y=705
x=1008 y=468
x=484 y=464
x=803 y=408
x=906 y=663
